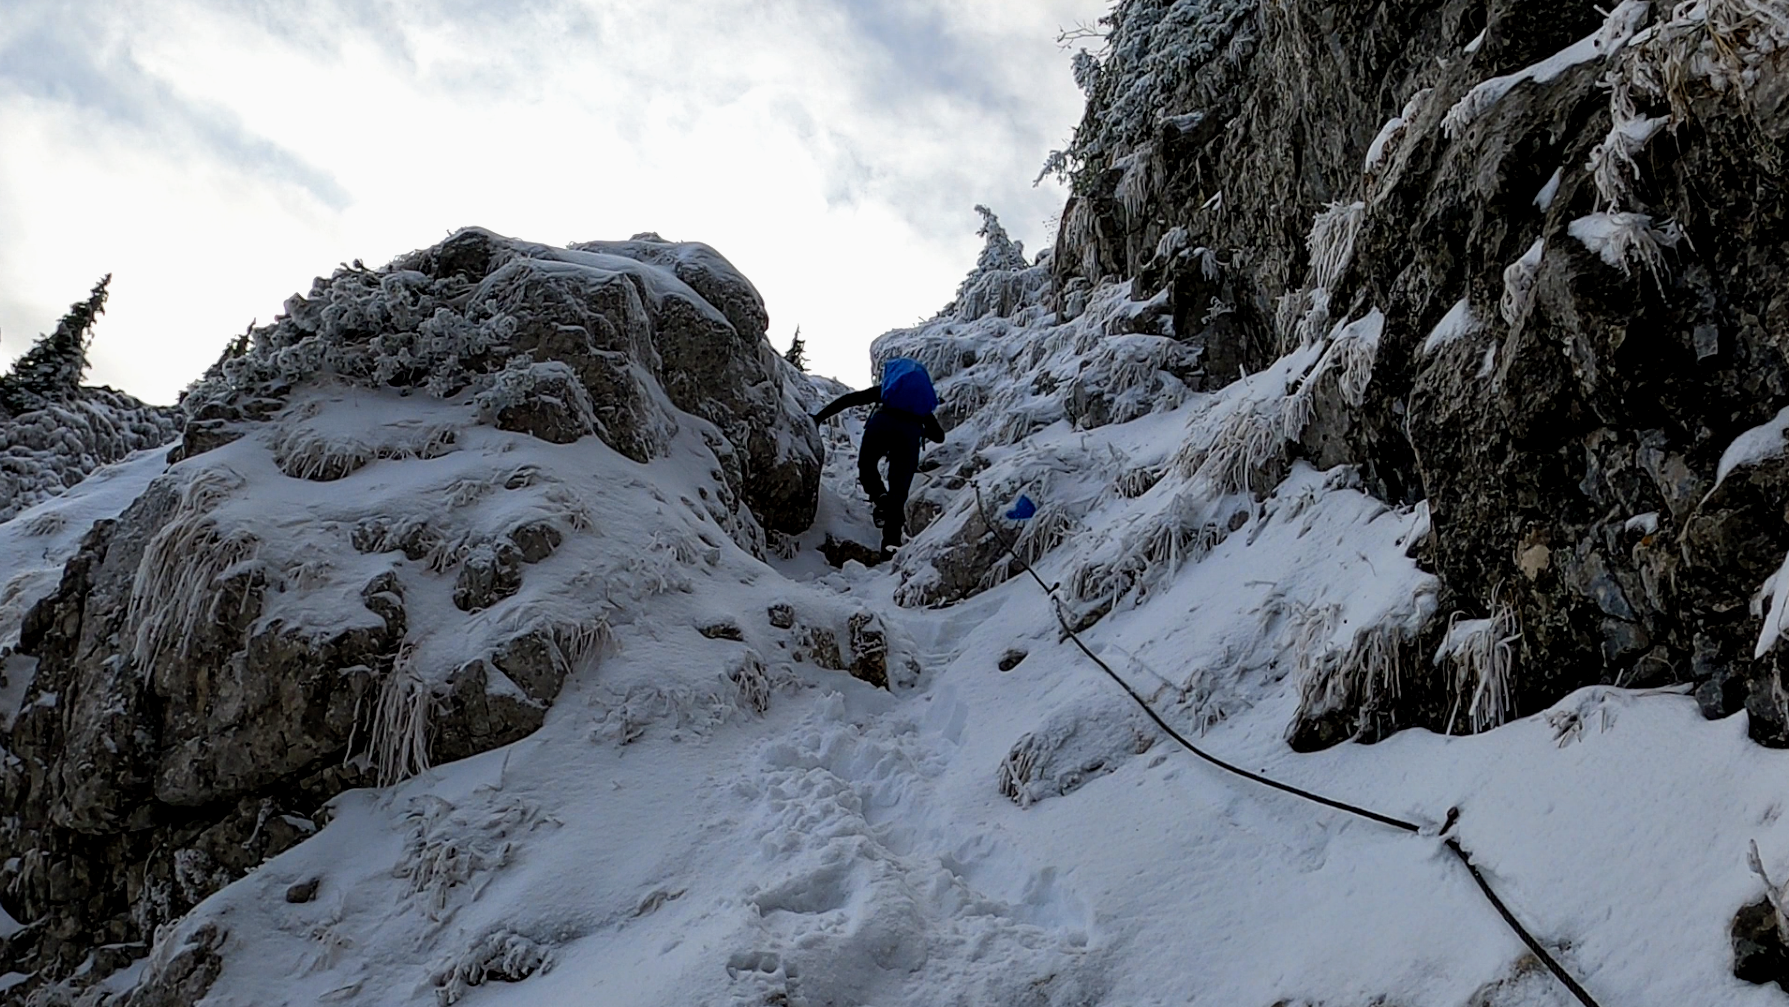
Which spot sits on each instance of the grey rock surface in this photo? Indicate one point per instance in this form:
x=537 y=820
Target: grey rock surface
x=1586 y=394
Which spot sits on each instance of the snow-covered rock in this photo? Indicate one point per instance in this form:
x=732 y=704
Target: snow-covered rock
x=1548 y=367
x=339 y=581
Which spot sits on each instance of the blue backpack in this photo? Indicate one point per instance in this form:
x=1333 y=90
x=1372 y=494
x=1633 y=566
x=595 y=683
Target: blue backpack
x=906 y=386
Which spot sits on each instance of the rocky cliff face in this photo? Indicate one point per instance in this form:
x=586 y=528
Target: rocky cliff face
x=1552 y=243
x=398 y=518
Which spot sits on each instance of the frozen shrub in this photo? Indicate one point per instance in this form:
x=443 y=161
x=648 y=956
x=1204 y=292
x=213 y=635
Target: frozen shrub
x=57 y=443
x=501 y=956
x=1161 y=58
x=1481 y=654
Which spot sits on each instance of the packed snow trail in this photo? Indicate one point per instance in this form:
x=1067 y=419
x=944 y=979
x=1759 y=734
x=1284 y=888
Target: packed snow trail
x=1025 y=509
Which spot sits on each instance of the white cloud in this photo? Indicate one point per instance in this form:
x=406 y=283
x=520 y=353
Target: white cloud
x=214 y=155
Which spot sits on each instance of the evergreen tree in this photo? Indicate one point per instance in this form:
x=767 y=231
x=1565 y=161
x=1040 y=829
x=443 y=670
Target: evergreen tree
x=797 y=353
x=53 y=368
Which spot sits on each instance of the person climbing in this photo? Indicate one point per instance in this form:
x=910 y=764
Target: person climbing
x=905 y=403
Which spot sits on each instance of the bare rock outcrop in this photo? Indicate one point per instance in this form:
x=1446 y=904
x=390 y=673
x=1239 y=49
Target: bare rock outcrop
x=1568 y=331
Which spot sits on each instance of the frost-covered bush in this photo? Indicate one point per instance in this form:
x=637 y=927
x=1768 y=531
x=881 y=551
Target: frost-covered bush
x=1160 y=59
x=522 y=381
x=378 y=327
x=500 y=956
x=53 y=432
x=1719 y=45
x=1481 y=655
x=56 y=444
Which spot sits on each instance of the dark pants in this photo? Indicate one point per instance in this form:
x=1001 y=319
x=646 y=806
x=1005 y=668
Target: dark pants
x=897 y=439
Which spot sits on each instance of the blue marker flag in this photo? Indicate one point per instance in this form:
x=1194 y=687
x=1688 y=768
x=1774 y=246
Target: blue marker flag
x=1022 y=509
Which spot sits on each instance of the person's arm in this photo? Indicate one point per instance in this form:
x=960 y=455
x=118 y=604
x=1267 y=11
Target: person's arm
x=931 y=428
x=867 y=397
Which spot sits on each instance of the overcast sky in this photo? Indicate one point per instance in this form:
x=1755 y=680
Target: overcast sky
x=214 y=155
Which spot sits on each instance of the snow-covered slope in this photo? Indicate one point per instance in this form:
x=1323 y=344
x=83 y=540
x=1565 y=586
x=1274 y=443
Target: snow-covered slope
x=1308 y=472
x=41 y=539
x=726 y=807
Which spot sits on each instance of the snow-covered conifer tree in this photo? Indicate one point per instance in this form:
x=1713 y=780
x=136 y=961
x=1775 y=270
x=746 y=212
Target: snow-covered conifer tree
x=797 y=353
x=53 y=368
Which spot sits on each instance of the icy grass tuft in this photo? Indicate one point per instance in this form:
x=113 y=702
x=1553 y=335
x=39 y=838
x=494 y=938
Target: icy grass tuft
x=1368 y=673
x=625 y=715
x=1481 y=654
x=399 y=746
x=501 y=956
x=1353 y=348
x=1302 y=316
x=1621 y=239
x=1136 y=186
x=447 y=850
x=1612 y=164
x=172 y=593
x=1152 y=547
x=1776 y=895
x=1248 y=442
x=1331 y=241
x=46 y=524
x=1042 y=532
x=316 y=452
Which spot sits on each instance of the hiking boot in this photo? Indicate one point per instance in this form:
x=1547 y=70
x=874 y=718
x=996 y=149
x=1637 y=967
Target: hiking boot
x=879 y=511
